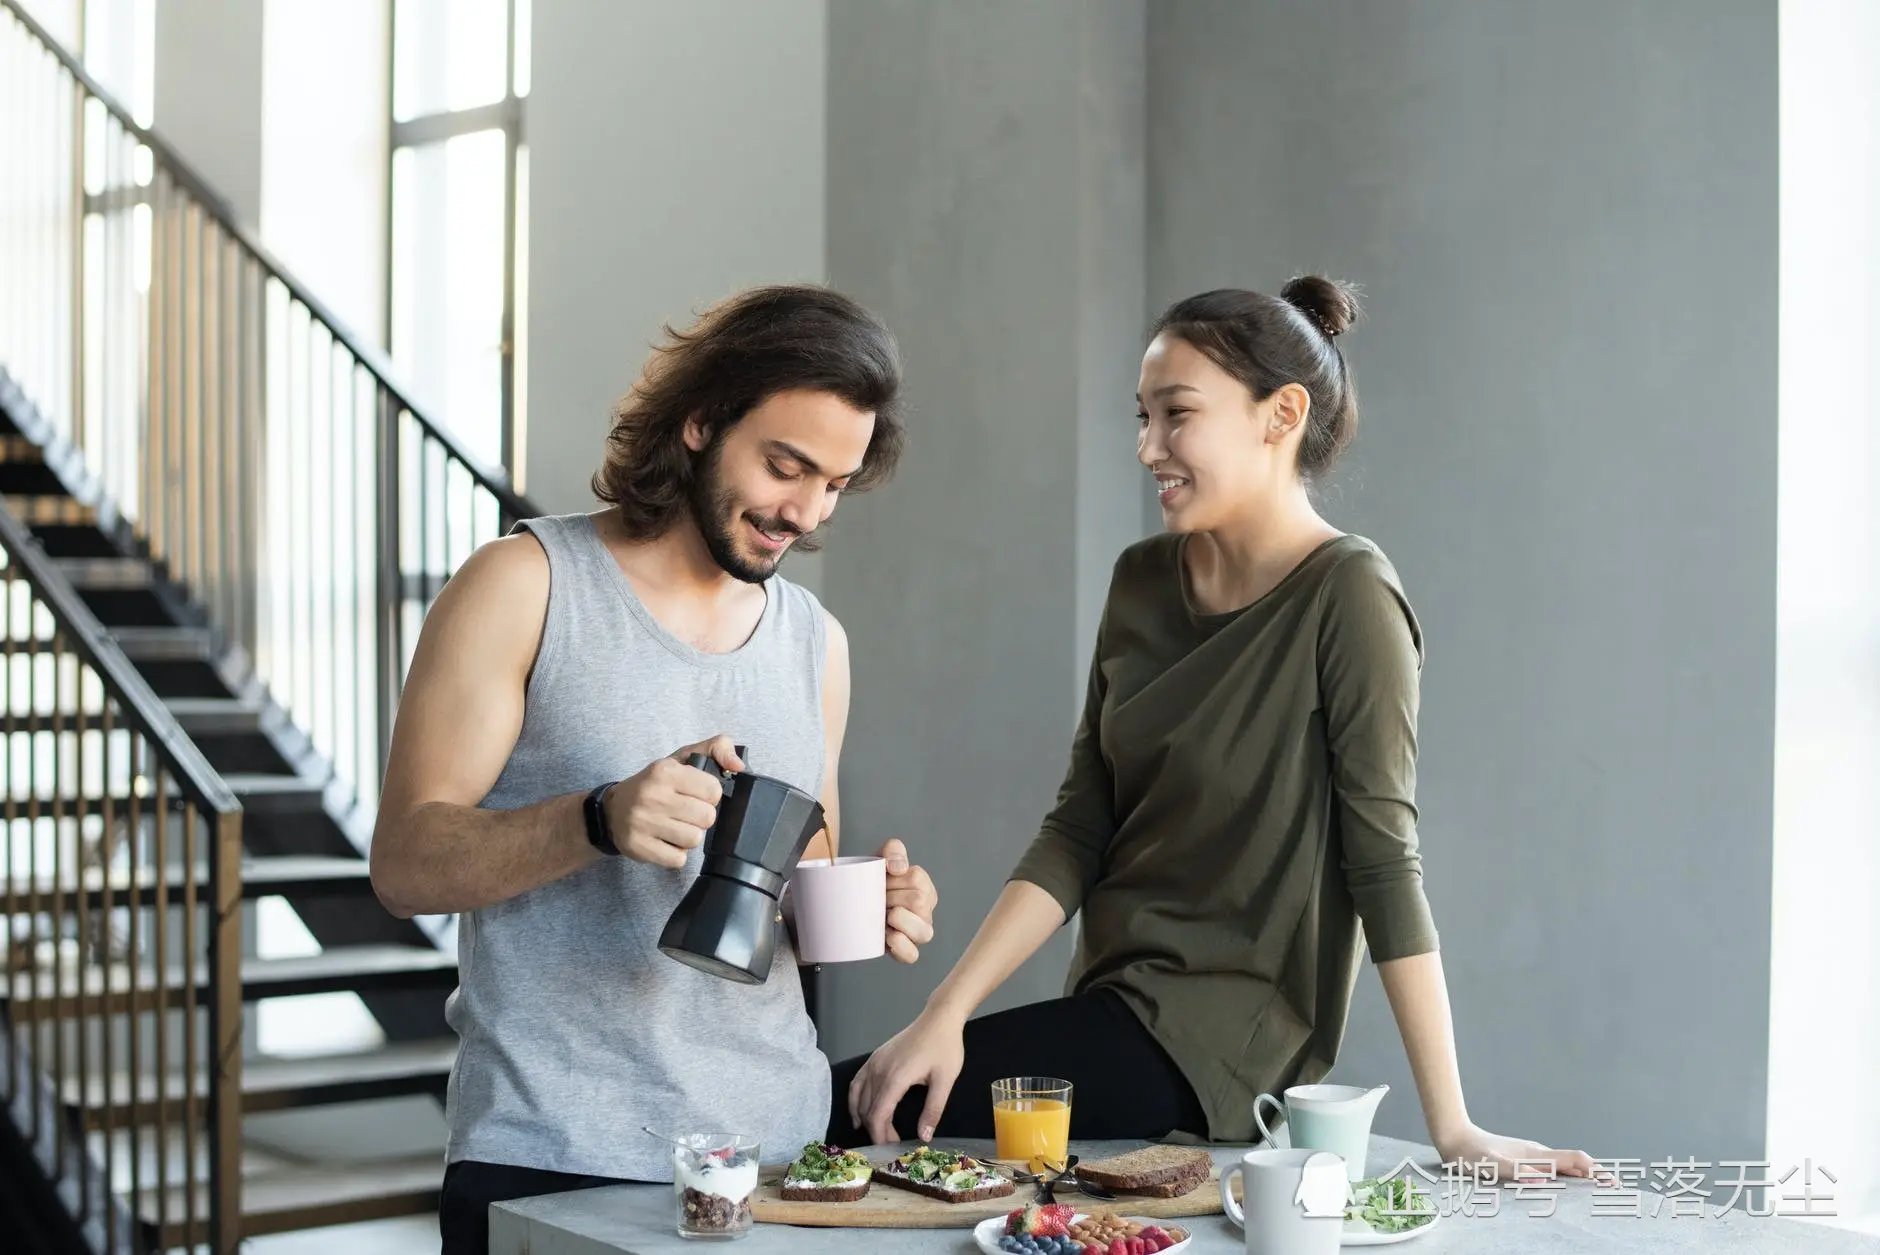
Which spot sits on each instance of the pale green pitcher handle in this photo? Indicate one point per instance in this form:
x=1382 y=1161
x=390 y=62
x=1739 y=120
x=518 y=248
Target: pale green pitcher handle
x=1264 y=1131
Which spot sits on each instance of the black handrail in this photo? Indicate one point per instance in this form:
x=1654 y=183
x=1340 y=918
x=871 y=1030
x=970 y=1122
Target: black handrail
x=143 y=710
x=495 y=481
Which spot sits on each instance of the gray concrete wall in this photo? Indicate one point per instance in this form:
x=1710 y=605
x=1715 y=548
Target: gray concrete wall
x=1565 y=216
x=984 y=196
x=208 y=100
x=676 y=155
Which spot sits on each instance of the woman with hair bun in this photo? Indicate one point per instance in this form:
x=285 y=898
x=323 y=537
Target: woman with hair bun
x=1239 y=816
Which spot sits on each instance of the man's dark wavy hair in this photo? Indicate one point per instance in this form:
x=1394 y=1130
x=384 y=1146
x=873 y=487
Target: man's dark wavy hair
x=738 y=354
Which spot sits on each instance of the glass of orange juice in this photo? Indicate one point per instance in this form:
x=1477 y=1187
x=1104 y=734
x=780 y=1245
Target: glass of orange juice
x=1031 y=1118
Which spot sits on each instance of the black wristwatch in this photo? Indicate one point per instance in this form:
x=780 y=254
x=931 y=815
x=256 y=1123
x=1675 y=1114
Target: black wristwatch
x=600 y=833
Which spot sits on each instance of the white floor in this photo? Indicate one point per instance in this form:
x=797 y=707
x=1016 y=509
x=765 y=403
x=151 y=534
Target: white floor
x=407 y=1235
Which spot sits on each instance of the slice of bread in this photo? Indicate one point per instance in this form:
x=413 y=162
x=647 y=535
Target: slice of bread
x=998 y=1187
x=1178 y=1188
x=1153 y=1171
x=810 y=1192
x=827 y=1174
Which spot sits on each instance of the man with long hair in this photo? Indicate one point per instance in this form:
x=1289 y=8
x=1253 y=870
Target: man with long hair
x=537 y=783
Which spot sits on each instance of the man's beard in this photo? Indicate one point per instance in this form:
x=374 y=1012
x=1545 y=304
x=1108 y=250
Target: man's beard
x=715 y=513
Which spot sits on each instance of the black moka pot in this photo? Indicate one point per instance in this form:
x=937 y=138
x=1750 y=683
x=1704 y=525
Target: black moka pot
x=727 y=922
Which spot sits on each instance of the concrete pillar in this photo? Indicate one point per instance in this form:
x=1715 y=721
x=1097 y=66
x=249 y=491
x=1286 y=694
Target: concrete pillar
x=676 y=154
x=985 y=196
x=208 y=99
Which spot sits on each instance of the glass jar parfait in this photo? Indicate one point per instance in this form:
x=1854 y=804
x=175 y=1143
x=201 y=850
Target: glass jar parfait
x=714 y=1176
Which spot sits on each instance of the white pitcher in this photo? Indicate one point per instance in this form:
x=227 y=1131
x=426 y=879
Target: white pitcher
x=1294 y=1201
x=1328 y=1117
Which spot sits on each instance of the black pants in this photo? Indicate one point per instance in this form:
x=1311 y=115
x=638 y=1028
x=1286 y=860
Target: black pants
x=463 y=1213
x=1125 y=1085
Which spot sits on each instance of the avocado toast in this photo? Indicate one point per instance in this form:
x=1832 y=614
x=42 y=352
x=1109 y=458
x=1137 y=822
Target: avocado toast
x=946 y=1175
x=827 y=1174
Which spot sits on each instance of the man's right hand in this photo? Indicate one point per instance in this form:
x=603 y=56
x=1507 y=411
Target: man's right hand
x=661 y=813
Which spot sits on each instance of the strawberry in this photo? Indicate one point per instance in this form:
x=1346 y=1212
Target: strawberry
x=1035 y=1221
x=1054 y=1220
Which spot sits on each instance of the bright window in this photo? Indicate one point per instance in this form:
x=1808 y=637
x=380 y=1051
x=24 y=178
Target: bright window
x=459 y=72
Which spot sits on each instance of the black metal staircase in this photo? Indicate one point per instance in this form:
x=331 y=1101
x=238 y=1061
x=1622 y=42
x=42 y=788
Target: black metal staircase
x=224 y=497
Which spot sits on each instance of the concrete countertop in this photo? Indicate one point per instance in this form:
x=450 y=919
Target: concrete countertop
x=638 y=1220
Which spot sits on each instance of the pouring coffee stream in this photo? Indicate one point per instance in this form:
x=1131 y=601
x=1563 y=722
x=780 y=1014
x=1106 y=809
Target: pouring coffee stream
x=727 y=922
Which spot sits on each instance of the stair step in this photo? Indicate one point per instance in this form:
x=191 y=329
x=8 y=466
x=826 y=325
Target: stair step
x=311 y=1196
x=165 y=644
x=360 y=969
x=198 y=716
x=289 y=876
x=216 y=716
x=276 y=794
x=18 y=448
x=76 y=540
x=272 y=1084
x=305 y=876
x=19 y=478
x=105 y=573
x=39 y=509
x=415 y=1067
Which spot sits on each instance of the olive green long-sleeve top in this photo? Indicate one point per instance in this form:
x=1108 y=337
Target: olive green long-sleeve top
x=1239 y=814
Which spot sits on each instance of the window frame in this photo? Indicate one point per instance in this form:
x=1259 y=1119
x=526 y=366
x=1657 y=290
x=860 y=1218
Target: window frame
x=506 y=115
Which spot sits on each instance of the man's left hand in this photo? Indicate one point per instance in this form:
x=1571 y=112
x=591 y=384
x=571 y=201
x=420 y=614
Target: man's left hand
x=911 y=902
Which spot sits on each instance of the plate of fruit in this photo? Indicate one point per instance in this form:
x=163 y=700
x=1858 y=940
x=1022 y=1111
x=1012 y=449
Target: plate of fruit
x=1060 y=1229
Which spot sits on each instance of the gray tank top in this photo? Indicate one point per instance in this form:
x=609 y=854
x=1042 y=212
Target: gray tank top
x=576 y=1030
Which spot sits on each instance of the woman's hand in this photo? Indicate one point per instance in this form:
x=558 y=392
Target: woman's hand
x=1511 y=1158
x=929 y=1052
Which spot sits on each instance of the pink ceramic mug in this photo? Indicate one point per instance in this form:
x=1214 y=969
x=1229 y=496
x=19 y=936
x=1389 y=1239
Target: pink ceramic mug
x=841 y=909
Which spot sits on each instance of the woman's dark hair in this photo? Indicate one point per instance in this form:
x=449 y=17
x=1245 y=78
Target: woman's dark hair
x=1266 y=342
x=738 y=354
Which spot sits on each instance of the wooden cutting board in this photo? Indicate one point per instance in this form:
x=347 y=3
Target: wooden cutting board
x=885 y=1207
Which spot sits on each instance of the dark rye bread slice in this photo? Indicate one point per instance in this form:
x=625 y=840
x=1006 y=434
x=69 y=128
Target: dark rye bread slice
x=1153 y=1171
x=1180 y=1187
x=892 y=1174
x=810 y=1192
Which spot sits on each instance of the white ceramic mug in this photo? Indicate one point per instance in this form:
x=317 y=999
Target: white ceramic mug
x=841 y=909
x=1294 y=1201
